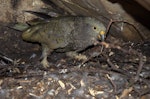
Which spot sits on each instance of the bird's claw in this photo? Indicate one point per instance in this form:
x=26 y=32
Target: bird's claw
x=45 y=63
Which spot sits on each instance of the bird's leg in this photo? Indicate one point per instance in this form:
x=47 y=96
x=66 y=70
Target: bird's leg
x=75 y=55
x=45 y=53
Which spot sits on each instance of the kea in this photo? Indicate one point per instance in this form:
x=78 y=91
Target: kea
x=65 y=34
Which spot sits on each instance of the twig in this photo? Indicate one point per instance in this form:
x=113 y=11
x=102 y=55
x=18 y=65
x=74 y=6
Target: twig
x=129 y=51
x=91 y=57
x=123 y=21
x=141 y=63
x=6 y=58
x=126 y=93
x=113 y=84
x=113 y=67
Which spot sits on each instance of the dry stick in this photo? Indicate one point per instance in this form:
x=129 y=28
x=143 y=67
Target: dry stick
x=141 y=63
x=109 y=62
x=113 y=67
x=6 y=58
x=113 y=84
x=123 y=21
x=90 y=58
x=108 y=27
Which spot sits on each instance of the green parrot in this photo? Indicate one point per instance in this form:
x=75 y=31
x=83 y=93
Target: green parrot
x=65 y=34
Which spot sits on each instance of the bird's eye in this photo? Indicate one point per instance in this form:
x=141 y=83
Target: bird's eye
x=94 y=28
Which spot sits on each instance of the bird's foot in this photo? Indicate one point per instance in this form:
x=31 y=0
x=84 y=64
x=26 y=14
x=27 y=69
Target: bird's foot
x=77 y=56
x=45 y=63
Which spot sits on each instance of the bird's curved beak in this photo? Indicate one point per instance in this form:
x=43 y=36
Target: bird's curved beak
x=101 y=35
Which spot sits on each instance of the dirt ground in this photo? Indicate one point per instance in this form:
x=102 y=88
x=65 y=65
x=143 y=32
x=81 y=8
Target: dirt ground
x=115 y=69
x=118 y=70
